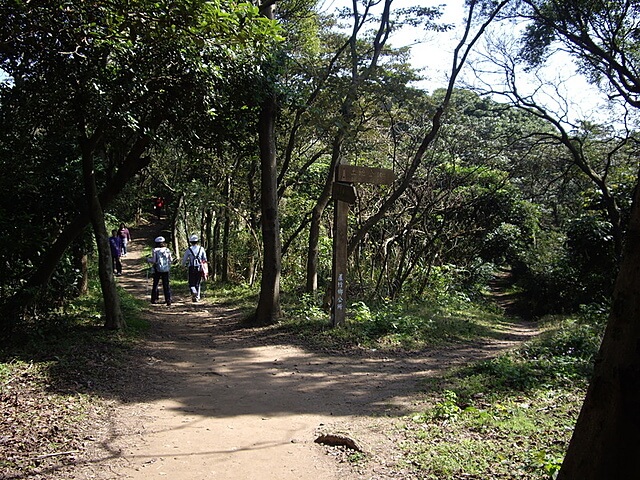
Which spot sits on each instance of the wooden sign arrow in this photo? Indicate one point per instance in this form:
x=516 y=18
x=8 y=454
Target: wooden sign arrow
x=356 y=174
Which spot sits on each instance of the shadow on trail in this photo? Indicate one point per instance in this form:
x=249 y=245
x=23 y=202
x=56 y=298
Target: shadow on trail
x=197 y=365
x=217 y=374
x=197 y=356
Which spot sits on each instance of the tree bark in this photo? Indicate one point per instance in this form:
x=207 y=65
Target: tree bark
x=605 y=440
x=226 y=238
x=175 y=224
x=346 y=113
x=226 y=231
x=80 y=263
x=83 y=284
x=113 y=314
x=268 y=310
x=313 y=251
x=216 y=258
x=207 y=240
x=40 y=278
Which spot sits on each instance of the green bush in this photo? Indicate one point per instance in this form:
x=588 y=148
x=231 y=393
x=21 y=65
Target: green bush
x=561 y=273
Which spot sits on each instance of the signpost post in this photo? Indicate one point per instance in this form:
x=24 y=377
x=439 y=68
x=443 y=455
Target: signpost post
x=344 y=194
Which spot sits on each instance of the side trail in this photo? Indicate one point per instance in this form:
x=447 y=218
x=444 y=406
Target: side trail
x=209 y=400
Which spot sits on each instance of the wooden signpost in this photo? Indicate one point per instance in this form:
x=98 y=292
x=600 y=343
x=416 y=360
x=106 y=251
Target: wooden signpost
x=344 y=194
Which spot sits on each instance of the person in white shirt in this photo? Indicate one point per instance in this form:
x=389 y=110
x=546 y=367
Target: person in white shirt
x=161 y=259
x=194 y=256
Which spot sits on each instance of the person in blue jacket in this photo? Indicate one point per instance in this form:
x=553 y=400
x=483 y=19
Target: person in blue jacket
x=115 y=244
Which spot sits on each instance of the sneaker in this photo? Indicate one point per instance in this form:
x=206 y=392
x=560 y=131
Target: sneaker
x=194 y=298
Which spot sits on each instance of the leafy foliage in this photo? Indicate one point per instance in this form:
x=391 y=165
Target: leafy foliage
x=118 y=73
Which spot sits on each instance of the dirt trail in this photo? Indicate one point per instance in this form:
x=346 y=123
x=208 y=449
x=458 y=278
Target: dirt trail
x=213 y=401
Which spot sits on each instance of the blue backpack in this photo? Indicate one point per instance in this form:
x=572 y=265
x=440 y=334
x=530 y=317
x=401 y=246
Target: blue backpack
x=162 y=260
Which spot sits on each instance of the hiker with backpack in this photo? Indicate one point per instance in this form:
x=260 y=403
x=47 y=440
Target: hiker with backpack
x=195 y=258
x=161 y=259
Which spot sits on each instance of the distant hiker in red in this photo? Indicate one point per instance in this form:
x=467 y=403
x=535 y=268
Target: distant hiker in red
x=158 y=205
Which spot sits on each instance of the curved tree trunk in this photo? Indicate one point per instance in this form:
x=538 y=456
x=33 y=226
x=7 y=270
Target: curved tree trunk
x=40 y=278
x=313 y=251
x=346 y=113
x=605 y=439
x=113 y=314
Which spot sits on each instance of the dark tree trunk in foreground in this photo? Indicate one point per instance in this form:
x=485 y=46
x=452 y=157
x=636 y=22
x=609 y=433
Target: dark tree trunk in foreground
x=268 y=310
x=113 y=314
x=606 y=439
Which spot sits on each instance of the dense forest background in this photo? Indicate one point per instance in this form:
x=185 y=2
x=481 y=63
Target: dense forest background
x=133 y=101
x=240 y=114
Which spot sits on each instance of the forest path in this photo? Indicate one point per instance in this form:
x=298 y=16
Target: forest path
x=210 y=400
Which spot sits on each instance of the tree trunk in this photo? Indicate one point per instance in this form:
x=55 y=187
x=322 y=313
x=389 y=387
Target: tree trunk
x=83 y=284
x=175 y=225
x=113 y=314
x=226 y=233
x=605 y=439
x=40 y=278
x=80 y=264
x=346 y=113
x=207 y=240
x=217 y=248
x=268 y=310
x=313 y=251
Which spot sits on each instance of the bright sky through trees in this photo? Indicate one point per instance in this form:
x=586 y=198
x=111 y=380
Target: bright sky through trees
x=432 y=53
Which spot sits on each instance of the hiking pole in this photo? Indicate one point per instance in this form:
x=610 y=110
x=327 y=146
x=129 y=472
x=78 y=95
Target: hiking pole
x=149 y=283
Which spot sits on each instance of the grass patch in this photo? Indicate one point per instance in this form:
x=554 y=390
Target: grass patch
x=236 y=296
x=521 y=437
x=509 y=417
x=394 y=326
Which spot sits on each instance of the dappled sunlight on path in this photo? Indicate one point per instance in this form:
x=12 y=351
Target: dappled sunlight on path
x=210 y=400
